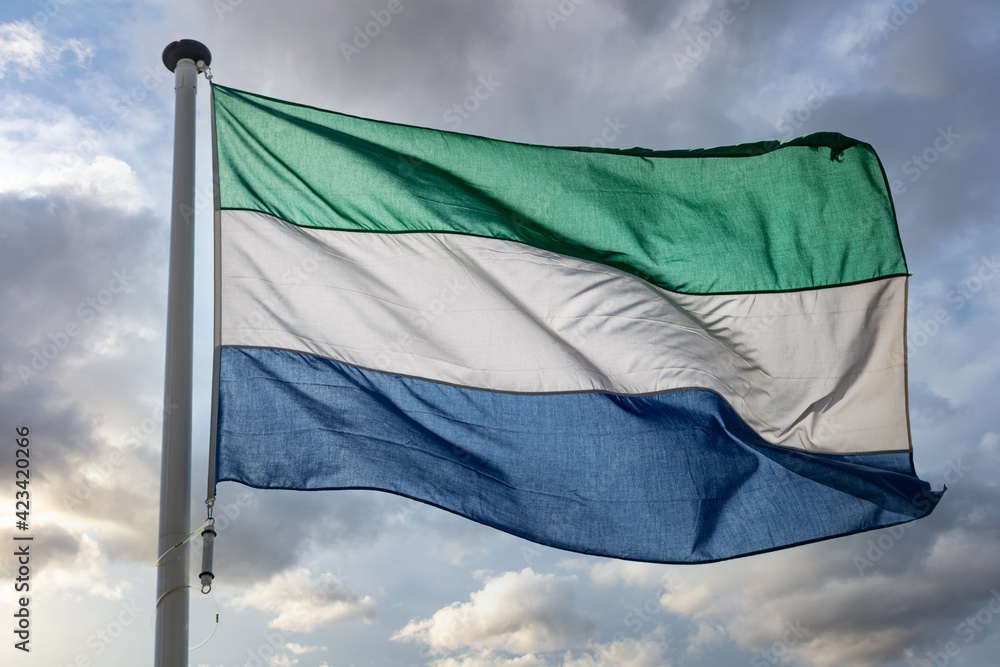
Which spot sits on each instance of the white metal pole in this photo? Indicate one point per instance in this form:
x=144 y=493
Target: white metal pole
x=182 y=58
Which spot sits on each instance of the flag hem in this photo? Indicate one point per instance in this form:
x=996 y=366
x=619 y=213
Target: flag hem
x=217 y=311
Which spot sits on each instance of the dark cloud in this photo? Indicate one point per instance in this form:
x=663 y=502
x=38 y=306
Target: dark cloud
x=263 y=532
x=647 y=16
x=83 y=287
x=928 y=408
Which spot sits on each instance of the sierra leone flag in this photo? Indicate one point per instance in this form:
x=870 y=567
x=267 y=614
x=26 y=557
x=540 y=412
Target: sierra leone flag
x=672 y=356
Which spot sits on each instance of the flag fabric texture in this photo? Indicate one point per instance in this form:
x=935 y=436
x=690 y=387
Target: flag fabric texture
x=668 y=356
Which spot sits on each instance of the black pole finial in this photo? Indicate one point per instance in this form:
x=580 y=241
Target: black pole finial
x=185 y=48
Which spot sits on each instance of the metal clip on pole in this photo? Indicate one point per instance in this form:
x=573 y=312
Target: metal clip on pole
x=208 y=547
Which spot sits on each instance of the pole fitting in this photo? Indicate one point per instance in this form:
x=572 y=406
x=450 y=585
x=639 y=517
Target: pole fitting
x=186 y=48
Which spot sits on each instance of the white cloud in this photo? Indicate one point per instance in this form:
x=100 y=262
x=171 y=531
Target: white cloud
x=298 y=649
x=628 y=652
x=45 y=149
x=615 y=572
x=519 y=612
x=23 y=49
x=81 y=564
x=488 y=658
x=105 y=179
x=708 y=635
x=303 y=602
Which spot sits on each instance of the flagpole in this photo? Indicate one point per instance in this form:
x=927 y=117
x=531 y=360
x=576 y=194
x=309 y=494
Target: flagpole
x=171 y=645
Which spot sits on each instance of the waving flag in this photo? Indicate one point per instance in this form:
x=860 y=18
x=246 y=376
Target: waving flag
x=671 y=356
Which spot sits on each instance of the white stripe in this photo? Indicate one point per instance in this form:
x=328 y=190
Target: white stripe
x=816 y=370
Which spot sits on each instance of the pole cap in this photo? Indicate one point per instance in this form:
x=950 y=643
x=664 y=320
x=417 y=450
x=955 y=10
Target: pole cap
x=185 y=48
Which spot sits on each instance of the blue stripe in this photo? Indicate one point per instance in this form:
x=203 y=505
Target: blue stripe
x=675 y=477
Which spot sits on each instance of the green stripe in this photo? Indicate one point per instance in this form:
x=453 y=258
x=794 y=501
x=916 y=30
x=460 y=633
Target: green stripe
x=768 y=216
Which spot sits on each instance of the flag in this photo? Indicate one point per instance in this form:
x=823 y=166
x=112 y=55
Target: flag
x=667 y=356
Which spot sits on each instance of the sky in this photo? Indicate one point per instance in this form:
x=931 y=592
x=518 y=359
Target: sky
x=341 y=579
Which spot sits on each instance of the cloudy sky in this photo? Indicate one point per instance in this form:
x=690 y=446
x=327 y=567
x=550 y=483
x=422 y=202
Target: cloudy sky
x=360 y=578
